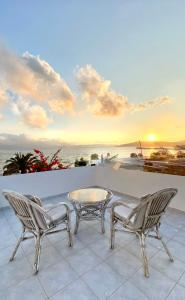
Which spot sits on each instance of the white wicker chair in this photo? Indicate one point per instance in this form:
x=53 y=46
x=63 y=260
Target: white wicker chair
x=38 y=220
x=142 y=220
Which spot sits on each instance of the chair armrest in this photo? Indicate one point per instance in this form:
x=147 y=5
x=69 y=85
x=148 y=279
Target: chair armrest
x=121 y=203
x=118 y=203
x=110 y=194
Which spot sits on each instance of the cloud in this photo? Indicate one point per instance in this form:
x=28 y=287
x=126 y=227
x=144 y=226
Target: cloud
x=3 y=96
x=32 y=115
x=60 y=107
x=14 y=73
x=21 y=141
x=51 y=85
x=151 y=103
x=31 y=78
x=3 y=100
x=34 y=78
x=104 y=101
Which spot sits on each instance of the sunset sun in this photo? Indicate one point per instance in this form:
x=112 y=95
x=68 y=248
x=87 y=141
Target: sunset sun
x=151 y=137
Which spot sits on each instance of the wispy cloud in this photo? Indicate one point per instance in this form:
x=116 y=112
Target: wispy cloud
x=151 y=103
x=102 y=100
x=31 y=115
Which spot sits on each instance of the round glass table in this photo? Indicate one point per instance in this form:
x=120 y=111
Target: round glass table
x=90 y=204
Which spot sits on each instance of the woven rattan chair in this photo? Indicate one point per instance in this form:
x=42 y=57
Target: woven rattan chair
x=142 y=220
x=38 y=220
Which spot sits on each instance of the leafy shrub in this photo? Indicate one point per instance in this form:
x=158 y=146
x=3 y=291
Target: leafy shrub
x=94 y=156
x=133 y=155
x=81 y=162
x=180 y=154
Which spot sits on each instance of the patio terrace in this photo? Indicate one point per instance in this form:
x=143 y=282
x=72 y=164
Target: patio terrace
x=90 y=270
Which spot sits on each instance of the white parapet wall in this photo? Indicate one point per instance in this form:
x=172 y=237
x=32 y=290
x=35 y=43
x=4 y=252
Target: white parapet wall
x=46 y=184
x=139 y=183
x=131 y=182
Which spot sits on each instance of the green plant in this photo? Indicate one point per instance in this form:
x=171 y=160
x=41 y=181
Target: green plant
x=94 y=156
x=180 y=154
x=81 y=162
x=133 y=155
x=20 y=163
x=161 y=155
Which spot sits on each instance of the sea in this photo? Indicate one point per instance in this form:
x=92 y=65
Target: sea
x=70 y=153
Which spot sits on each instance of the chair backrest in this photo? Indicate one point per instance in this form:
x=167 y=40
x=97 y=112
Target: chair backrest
x=152 y=207
x=28 y=209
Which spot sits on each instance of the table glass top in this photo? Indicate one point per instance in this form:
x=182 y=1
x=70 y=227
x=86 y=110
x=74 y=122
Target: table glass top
x=88 y=195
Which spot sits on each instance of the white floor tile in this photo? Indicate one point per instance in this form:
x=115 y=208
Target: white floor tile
x=6 y=253
x=56 y=277
x=182 y=280
x=83 y=261
x=173 y=270
x=63 y=248
x=124 y=263
x=178 y=293
x=28 y=289
x=128 y=291
x=102 y=248
x=76 y=290
x=177 y=249
x=103 y=280
x=14 y=272
x=156 y=287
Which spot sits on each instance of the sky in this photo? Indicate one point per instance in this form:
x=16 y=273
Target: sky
x=88 y=72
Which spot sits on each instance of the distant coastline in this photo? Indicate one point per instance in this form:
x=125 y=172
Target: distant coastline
x=157 y=148
x=154 y=145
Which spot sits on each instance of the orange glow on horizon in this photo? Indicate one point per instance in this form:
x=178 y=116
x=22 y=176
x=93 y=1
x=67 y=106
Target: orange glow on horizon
x=151 y=137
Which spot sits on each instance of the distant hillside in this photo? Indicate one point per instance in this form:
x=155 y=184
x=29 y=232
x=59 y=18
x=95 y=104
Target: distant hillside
x=153 y=144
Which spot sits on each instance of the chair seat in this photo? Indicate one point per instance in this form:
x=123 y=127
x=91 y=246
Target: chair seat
x=58 y=214
x=122 y=213
x=129 y=200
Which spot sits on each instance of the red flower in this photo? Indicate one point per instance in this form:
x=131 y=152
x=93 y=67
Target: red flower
x=43 y=162
x=37 y=151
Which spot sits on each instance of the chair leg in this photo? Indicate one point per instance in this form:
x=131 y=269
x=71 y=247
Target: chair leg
x=102 y=221
x=164 y=245
x=78 y=214
x=68 y=225
x=37 y=253
x=18 y=244
x=143 y=254
x=112 y=234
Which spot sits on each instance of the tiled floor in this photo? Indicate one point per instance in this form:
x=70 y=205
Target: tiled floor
x=90 y=270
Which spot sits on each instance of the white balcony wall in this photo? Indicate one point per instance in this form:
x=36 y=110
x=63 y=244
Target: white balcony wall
x=136 y=183
x=45 y=184
x=139 y=183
